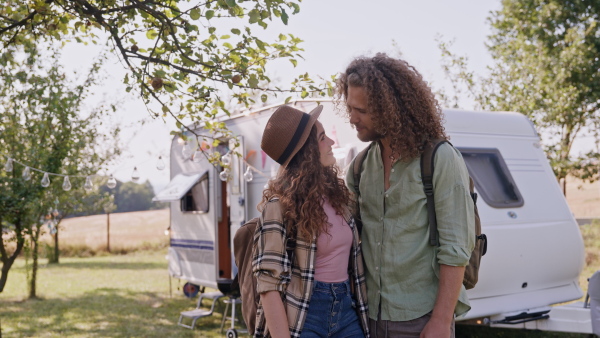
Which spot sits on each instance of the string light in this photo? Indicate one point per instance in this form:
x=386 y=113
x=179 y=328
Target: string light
x=224 y=175
x=197 y=158
x=26 y=174
x=160 y=164
x=66 y=184
x=135 y=175
x=88 y=186
x=111 y=183
x=45 y=181
x=8 y=167
x=226 y=159
x=248 y=176
x=187 y=150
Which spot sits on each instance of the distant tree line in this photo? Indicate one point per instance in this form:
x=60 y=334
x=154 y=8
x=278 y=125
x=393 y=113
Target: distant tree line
x=128 y=196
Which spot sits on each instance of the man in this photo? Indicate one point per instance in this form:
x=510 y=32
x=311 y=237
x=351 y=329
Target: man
x=414 y=289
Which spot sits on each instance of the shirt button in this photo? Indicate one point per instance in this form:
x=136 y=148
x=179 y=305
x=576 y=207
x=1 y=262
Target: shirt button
x=393 y=169
x=377 y=268
x=378 y=292
x=386 y=196
x=378 y=243
x=381 y=218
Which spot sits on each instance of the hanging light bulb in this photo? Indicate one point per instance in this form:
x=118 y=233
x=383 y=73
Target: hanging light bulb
x=45 y=180
x=88 y=186
x=66 y=184
x=226 y=159
x=186 y=151
x=26 y=174
x=8 y=167
x=111 y=183
x=224 y=175
x=135 y=176
x=248 y=176
x=197 y=158
x=160 y=164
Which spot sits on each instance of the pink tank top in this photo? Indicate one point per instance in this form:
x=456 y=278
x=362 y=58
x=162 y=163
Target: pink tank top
x=333 y=248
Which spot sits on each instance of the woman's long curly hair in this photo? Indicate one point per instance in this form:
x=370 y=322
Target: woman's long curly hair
x=402 y=105
x=301 y=187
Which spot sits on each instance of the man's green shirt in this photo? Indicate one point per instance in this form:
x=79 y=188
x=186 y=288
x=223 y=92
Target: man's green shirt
x=402 y=269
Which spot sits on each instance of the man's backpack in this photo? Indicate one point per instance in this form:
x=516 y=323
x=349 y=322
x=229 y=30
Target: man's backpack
x=427 y=164
x=243 y=251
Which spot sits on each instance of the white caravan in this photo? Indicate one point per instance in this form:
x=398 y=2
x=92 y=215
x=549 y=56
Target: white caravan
x=535 y=250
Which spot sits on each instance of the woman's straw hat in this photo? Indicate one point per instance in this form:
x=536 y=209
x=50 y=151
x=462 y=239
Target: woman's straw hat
x=286 y=132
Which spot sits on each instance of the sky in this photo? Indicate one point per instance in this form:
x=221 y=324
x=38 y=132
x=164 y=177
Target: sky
x=334 y=32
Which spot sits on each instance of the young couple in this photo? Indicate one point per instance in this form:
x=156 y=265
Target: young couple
x=309 y=258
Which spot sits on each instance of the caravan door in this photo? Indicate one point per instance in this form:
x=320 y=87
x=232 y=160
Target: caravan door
x=193 y=193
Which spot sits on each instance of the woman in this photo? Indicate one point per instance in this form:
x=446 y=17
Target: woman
x=307 y=260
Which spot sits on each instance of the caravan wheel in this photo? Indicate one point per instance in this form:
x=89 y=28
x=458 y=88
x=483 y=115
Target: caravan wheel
x=231 y=333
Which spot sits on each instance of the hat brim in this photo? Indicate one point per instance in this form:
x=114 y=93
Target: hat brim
x=314 y=116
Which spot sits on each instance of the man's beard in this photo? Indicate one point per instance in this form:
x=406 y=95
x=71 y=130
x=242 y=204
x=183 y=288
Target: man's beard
x=369 y=136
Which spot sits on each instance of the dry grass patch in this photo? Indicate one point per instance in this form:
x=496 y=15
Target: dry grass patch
x=130 y=231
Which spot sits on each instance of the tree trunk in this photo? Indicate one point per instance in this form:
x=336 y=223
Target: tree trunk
x=7 y=261
x=564 y=186
x=54 y=258
x=34 y=261
x=108 y=231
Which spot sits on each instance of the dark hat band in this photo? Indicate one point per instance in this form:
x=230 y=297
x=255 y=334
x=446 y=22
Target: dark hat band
x=294 y=141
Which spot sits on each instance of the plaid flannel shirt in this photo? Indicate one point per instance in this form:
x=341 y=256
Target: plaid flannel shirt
x=271 y=266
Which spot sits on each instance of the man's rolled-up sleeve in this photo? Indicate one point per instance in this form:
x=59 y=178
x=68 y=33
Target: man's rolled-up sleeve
x=270 y=263
x=454 y=208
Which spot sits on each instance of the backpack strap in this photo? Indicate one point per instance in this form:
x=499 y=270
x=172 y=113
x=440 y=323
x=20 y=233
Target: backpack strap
x=427 y=164
x=290 y=240
x=356 y=171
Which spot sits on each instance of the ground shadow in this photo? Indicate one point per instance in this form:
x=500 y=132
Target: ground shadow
x=106 y=312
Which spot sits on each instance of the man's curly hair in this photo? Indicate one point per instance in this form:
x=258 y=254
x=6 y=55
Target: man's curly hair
x=402 y=105
x=301 y=188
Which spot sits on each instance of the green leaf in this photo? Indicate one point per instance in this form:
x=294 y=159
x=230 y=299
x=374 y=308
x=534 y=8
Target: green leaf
x=230 y=3
x=235 y=31
x=209 y=14
x=165 y=109
x=253 y=81
x=254 y=16
x=151 y=34
x=264 y=97
x=195 y=14
x=284 y=17
x=304 y=94
x=225 y=37
x=294 y=62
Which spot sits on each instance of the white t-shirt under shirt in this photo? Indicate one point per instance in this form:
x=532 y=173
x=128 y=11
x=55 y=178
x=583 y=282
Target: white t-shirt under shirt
x=333 y=248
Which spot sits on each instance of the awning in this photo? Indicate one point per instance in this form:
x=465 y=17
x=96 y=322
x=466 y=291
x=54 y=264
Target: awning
x=178 y=187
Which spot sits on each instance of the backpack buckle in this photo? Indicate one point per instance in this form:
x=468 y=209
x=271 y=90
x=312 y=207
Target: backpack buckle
x=428 y=188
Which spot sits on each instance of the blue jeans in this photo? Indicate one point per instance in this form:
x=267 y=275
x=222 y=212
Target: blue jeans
x=332 y=312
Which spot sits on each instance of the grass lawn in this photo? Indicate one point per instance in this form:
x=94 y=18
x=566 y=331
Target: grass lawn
x=110 y=296
x=128 y=296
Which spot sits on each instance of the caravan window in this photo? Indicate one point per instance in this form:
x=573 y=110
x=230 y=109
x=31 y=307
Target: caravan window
x=196 y=199
x=492 y=178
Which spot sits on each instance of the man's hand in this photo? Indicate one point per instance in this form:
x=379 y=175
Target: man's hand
x=436 y=328
x=451 y=278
